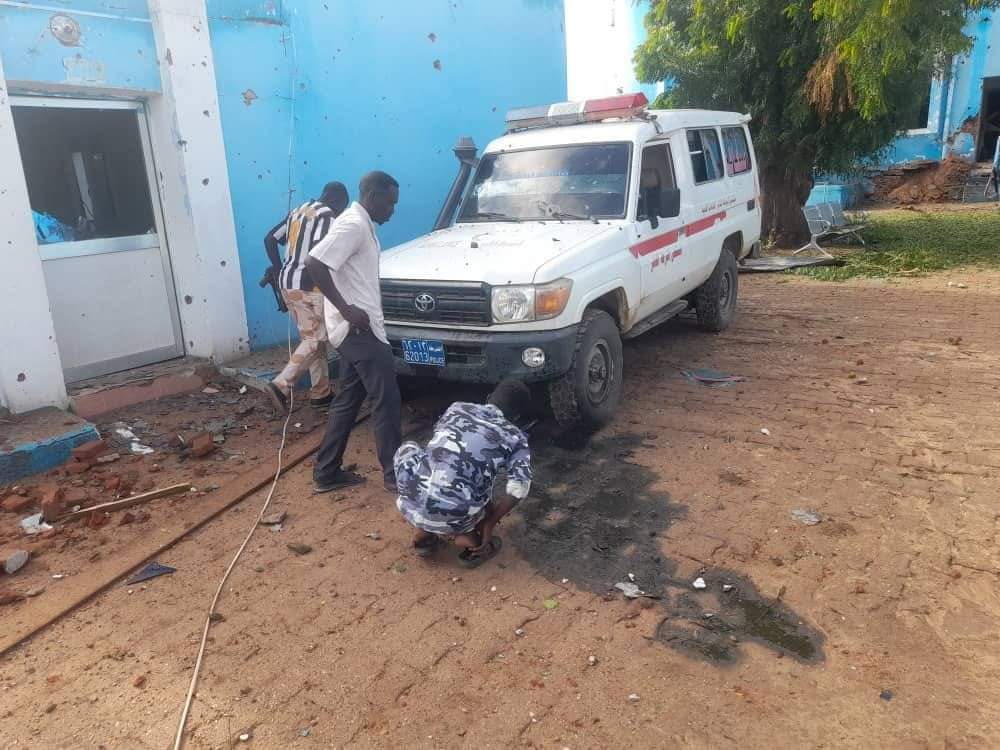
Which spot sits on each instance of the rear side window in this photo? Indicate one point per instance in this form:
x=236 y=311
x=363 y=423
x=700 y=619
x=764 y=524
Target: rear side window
x=706 y=155
x=737 y=151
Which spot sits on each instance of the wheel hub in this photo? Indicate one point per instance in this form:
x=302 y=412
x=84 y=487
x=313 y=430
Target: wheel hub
x=600 y=372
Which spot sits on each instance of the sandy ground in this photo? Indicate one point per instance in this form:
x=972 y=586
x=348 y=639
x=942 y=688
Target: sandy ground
x=875 y=627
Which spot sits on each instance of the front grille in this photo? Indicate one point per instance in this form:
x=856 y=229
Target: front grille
x=454 y=354
x=459 y=303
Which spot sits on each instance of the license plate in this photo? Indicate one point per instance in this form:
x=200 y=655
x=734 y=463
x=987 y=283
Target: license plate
x=420 y=352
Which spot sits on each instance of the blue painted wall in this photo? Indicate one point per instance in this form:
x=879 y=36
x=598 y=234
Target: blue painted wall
x=254 y=75
x=373 y=85
x=314 y=91
x=116 y=48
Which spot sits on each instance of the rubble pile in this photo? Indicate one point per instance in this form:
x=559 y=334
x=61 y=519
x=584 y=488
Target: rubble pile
x=922 y=182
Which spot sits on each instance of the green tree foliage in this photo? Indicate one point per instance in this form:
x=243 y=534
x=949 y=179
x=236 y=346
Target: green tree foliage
x=828 y=83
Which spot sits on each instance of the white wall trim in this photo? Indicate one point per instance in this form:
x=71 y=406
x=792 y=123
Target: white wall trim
x=193 y=177
x=31 y=373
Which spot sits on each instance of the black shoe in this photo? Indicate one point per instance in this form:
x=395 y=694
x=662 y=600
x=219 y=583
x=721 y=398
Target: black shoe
x=277 y=396
x=341 y=480
x=321 y=403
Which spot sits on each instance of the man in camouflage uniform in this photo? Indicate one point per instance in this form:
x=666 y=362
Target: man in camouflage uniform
x=446 y=489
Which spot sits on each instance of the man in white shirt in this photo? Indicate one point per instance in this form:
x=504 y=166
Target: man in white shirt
x=345 y=267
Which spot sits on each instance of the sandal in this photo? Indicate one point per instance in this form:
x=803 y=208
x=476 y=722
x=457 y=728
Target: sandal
x=471 y=558
x=426 y=547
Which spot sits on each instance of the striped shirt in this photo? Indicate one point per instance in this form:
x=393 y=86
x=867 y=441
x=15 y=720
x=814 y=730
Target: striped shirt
x=301 y=230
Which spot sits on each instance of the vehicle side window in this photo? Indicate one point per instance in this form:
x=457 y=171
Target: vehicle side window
x=737 y=151
x=706 y=155
x=657 y=173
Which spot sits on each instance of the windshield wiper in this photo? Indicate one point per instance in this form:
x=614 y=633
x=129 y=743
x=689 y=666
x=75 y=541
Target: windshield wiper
x=491 y=216
x=554 y=212
x=568 y=215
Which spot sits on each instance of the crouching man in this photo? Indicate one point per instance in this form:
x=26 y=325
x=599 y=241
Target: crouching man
x=446 y=489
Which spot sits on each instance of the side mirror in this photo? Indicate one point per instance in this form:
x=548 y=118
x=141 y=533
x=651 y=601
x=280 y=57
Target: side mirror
x=670 y=203
x=649 y=205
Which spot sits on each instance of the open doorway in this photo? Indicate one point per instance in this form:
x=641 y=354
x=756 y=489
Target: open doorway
x=989 y=119
x=88 y=168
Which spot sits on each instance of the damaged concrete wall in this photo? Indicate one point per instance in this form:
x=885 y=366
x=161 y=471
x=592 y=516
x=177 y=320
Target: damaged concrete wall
x=953 y=122
x=373 y=85
x=254 y=68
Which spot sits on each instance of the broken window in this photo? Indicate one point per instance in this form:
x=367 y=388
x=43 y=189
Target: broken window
x=706 y=155
x=85 y=172
x=920 y=115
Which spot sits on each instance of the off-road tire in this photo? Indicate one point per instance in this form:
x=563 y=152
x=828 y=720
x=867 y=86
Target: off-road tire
x=715 y=300
x=572 y=396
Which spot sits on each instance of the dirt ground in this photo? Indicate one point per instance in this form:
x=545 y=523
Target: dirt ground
x=876 y=626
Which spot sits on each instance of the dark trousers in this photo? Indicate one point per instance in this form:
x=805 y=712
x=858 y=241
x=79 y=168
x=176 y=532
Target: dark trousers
x=366 y=369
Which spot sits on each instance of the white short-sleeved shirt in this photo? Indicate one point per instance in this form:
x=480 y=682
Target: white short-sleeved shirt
x=351 y=252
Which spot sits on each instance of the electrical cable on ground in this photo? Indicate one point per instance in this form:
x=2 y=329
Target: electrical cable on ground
x=179 y=738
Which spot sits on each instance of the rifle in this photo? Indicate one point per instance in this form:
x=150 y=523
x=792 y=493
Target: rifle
x=270 y=278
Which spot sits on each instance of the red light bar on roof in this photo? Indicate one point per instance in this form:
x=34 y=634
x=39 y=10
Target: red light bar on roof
x=574 y=113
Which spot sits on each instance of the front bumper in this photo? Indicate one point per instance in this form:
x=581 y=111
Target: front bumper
x=487 y=357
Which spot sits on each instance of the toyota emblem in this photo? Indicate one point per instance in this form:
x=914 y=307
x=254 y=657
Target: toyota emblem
x=424 y=302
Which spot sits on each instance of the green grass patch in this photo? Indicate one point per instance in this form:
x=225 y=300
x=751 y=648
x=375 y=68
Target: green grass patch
x=913 y=243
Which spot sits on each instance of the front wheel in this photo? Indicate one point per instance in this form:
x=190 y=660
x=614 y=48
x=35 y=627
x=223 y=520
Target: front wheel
x=715 y=300
x=587 y=396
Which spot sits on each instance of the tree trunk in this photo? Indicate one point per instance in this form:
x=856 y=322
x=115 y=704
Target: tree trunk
x=785 y=191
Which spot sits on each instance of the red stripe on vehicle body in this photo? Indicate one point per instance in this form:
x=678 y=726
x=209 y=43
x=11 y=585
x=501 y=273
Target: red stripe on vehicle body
x=654 y=243
x=702 y=224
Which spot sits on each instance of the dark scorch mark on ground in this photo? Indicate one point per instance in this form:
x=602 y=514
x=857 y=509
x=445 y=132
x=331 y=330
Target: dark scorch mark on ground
x=594 y=517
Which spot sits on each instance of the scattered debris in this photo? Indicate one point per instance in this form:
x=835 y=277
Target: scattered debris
x=886 y=695
x=122 y=430
x=808 y=517
x=216 y=617
x=153 y=570
x=305 y=732
x=633 y=698
x=9 y=597
x=14 y=560
x=592 y=660
x=711 y=378
x=17 y=503
x=210 y=391
x=128 y=502
x=243 y=389
x=108 y=459
x=58 y=576
x=34 y=525
x=550 y=603
x=373 y=535
x=34 y=591
x=630 y=590
x=519 y=632
x=765 y=431
x=274 y=519
x=245 y=736
x=699 y=583
x=139 y=681
x=299 y=549
x=727 y=587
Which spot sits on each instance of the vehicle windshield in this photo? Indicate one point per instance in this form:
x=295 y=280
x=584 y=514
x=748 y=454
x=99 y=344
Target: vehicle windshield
x=583 y=182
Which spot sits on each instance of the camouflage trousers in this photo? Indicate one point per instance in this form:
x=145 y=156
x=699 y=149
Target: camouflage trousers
x=306 y=309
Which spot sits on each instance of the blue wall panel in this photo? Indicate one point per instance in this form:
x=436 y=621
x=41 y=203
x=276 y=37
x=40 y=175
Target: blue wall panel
x=116 y=49
x=373 y=85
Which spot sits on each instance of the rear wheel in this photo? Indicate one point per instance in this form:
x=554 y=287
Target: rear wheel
x=587 y=396
x=715 y=300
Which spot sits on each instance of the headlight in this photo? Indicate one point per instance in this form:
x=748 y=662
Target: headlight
x=519 y=304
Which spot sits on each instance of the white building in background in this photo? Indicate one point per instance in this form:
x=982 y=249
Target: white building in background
x=601 y=37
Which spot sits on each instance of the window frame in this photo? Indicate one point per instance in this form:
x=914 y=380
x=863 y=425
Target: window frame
x=648 y=146
x=715 y=131
x=725 y=151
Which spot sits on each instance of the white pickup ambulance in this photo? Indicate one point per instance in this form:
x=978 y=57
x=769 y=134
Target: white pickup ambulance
x=587 y=223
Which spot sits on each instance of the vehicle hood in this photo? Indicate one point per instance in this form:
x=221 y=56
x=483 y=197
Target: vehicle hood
x=494 y=253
